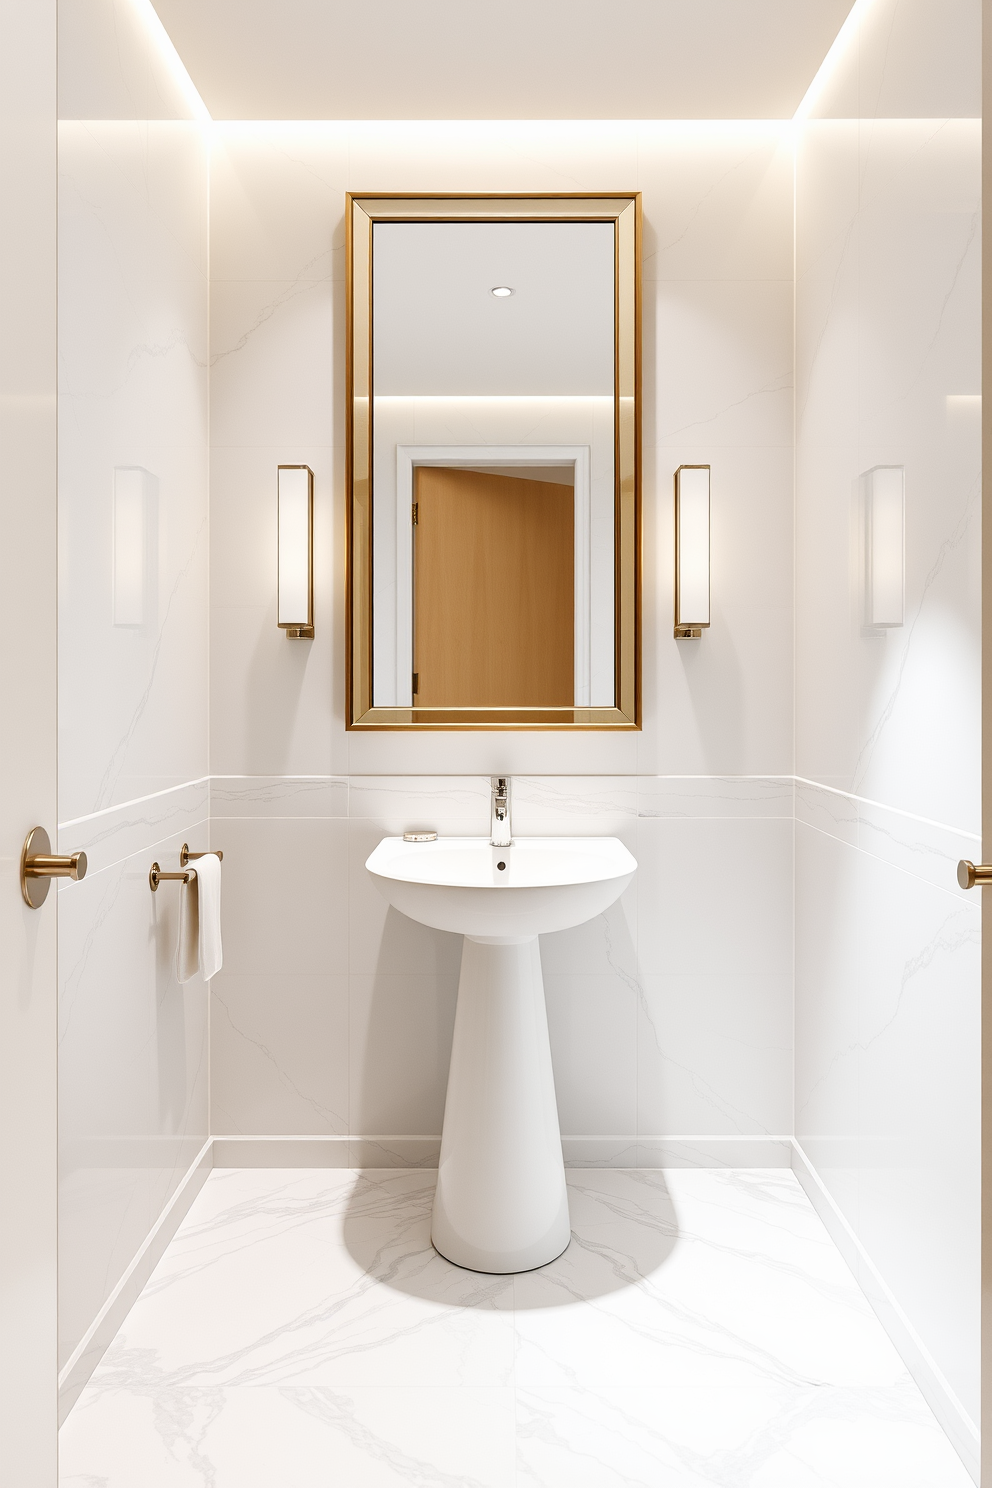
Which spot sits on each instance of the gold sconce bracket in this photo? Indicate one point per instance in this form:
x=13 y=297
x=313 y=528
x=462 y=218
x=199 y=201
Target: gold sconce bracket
x=39 y=865
x=687 y=632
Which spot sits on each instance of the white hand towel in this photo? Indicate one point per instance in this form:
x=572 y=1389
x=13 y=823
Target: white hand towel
x=208 y=895
x=187 y=949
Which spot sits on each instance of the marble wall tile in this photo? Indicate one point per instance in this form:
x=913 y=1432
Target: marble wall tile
x=133 y=1073
x=272 y=362
x=687 y=797
x=573 y=806
x=877 y=713
x=919 y=1014
x=828 y=810
x=592 y=1023
x=826 y=1011
x=457 y=805
x=285 y=896
x=278 y=796
x=714 y=1054
x=887 y=1078
x=267 y=1078
x=730 y=381
x=274 y=187
x=132 y=393
x=133 y=698
x=695 y=178
x=717 y=896
x=887 y=372
x=401 y=1028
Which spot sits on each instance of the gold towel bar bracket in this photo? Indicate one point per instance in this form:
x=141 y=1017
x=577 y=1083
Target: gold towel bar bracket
x=157 y=876
x=972 y=874
x=185 y=856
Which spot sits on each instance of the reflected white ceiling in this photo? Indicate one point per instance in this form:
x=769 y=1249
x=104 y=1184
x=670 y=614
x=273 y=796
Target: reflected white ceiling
x=438 y=329
x=522 y=59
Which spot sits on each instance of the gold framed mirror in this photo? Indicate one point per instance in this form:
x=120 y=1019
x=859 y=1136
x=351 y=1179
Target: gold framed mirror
x=493 y=461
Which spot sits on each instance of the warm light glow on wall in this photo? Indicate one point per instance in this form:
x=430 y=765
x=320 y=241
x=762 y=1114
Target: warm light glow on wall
x=296 y=550
x=162 y=41
x=692 y=550
x=840 y=49
x=130 y=545
x=885 y=545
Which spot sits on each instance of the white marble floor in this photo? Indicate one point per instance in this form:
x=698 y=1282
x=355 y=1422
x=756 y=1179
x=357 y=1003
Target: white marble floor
x=701 y=1328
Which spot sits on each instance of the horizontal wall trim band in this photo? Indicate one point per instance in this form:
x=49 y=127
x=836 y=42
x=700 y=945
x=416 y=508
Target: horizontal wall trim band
x=786 y=779
x=926 y=821
x=77 y=821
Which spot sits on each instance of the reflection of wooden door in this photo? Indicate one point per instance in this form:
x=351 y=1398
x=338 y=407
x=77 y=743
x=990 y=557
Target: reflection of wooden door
x=493 y=600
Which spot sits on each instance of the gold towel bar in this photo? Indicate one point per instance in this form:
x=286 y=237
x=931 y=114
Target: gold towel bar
x=157 y=876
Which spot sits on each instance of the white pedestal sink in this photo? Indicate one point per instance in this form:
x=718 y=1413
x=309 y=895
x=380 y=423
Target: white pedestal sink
x=501 y=1203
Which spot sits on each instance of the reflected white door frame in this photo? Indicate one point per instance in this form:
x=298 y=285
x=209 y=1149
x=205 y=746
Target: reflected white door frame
x=408 y=456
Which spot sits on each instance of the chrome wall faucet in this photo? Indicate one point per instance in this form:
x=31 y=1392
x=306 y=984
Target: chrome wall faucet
x=501 y=811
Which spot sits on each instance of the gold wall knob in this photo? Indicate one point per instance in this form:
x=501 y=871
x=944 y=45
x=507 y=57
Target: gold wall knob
x=970 y=874
x=39 y=865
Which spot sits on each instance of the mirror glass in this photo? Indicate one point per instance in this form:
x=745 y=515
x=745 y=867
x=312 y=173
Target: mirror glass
x=493 y=428
x=493 y=466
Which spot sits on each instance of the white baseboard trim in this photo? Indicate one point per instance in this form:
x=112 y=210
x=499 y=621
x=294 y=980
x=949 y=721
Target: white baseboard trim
x=955 y=1420
x=101 y=1332
x=579 y=1152
x=677 y=1152
x=327 y=1152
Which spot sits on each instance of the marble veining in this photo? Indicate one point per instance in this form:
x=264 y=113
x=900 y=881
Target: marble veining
x=700 y=1329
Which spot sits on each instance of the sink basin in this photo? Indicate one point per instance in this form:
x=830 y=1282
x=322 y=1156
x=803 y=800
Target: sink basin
x=501 y=1204
x=501 y=894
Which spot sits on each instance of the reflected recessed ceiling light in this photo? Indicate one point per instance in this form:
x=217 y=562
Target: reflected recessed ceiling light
x=501 y=291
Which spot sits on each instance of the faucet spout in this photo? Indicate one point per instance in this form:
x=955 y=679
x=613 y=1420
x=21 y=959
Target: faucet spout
x=501 y=836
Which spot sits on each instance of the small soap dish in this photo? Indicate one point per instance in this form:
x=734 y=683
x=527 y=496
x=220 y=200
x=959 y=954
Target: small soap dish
x=419 y=836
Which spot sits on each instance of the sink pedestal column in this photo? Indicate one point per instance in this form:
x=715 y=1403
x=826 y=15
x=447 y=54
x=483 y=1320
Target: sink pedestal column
x=501 y=1203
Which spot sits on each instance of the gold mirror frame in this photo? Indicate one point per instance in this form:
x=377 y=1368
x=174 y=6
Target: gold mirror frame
x=362 y=210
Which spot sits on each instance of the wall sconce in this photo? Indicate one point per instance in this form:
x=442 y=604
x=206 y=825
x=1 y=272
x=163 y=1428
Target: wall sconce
x=130 y=545
x=692 y=550
x=296 y=550
x=885 y=546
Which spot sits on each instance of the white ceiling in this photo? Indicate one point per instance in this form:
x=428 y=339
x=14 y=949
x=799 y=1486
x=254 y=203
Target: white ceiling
x=438 y=329
x=520 y=59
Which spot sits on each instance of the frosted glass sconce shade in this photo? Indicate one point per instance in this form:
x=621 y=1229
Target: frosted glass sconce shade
x=885 y=545
x=692 y=550
x=296 y=550
x=130 y=541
